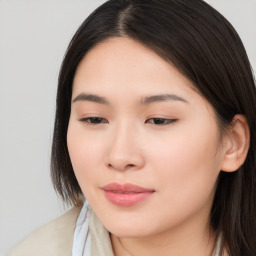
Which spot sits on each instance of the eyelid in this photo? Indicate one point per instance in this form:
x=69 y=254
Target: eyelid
x=166 y=121
x=89 y=120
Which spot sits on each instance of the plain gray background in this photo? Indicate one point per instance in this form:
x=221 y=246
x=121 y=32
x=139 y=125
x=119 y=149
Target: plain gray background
x=34 y=35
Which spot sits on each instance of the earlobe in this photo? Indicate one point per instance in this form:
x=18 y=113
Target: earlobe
x=236 y=144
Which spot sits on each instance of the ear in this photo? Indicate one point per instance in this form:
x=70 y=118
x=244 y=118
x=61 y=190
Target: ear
x=237 y=142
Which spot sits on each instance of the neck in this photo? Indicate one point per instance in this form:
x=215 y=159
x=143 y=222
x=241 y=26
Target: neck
x=196 y=241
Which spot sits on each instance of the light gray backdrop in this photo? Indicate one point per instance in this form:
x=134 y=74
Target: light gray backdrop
x=33 y=37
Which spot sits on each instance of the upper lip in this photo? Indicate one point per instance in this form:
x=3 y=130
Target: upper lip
x=126 y=188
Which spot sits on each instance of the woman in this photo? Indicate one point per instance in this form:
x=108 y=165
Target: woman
x=155 y=127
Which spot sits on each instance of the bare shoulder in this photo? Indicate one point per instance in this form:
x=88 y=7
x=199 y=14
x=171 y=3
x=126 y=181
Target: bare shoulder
x=54 y=238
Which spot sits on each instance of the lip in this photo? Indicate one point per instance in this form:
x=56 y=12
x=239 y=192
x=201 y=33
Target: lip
x=126 y=194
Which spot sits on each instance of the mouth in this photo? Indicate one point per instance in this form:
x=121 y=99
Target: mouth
x=127 y=194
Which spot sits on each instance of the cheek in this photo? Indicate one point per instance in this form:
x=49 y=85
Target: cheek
x=185 y=149
x=187 y=166
x=84 y=153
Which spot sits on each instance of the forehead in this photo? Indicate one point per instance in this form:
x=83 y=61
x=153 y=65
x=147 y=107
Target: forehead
x=121 y=63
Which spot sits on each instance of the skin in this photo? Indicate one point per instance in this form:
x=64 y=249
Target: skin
x=179 y=159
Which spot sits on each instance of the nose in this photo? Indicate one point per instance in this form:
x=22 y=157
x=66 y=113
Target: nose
x=125 y=151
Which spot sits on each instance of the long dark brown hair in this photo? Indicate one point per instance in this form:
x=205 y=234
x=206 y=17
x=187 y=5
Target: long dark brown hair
x=203 y=46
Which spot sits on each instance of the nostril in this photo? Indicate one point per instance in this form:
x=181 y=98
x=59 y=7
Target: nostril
x=119 y=167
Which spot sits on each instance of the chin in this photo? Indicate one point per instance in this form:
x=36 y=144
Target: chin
x=122 y=233
x=129 y=229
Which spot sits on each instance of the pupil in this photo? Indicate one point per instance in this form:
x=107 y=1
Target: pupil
x=96 y=120
x=158 y=121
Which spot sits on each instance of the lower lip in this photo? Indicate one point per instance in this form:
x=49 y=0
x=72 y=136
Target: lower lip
x=126 y=200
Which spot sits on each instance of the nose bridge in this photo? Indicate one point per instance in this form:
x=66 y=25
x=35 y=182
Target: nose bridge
x=124 y=149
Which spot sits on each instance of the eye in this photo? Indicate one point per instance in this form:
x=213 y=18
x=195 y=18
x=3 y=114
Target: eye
x=93 y=120
x=160 y=121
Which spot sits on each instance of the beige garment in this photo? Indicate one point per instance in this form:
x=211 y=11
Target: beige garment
x=52 y=239
x=218 y=246
x=56 y=238
x=100 y=239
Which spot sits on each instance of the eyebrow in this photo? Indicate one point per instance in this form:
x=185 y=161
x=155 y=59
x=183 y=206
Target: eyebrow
x=92 y=98
x=145 y=101
x=162 y=97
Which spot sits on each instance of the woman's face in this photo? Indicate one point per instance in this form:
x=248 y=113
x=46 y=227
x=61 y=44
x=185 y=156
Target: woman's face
x=144 y=145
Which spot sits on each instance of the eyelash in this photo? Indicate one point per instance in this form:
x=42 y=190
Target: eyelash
x=95 y=120
x=155 y=121
x=161 y=121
